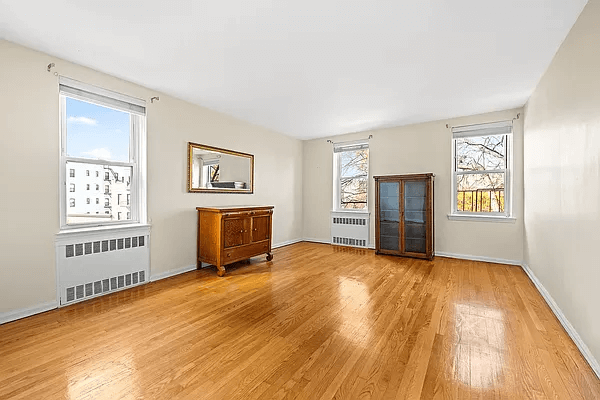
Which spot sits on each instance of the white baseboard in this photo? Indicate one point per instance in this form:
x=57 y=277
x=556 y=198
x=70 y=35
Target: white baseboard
x=585 y=351
x=316 y=240
x=27 y=312
x=329 y=242
x=478 y=258
x=172 y=272
x=286 y=243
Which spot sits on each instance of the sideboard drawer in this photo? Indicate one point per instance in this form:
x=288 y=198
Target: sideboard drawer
x=244 y=252
x=246 y=214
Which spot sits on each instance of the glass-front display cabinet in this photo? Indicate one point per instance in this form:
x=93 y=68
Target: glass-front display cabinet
x=404 y=215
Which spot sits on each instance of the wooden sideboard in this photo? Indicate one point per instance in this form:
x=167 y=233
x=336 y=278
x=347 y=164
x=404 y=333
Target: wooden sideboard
x=230 y=234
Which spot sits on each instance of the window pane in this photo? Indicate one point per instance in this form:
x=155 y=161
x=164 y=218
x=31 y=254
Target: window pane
x=480 y=192
x=354 y=168
x=353 y=193
x=116 y=187
x=481 y=153
x=354 y=163
x=97 y=132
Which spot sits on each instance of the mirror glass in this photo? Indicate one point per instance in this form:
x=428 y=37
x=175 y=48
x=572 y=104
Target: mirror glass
x=211 y=169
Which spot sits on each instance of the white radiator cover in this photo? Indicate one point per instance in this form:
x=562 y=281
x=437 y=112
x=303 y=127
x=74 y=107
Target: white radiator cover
x=93 y=263
x=350 y=228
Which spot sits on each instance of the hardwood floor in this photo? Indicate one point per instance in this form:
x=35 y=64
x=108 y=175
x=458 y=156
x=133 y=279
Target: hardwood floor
x=318 y=322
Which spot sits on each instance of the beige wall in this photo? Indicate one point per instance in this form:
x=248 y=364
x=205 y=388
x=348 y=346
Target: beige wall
x=418 y=148
x=29 y=164
x=562 y=177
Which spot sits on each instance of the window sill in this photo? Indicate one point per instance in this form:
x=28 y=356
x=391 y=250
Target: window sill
x=352 y=211
x=482 y=218
x=66 y=236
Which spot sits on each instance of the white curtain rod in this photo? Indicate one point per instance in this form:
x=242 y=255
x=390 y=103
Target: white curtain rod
x=349 y=142
x=466 y=126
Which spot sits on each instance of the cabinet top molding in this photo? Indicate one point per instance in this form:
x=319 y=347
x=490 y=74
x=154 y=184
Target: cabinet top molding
x=234 y=208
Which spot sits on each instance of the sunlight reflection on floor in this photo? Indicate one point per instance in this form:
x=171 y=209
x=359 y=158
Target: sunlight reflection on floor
x=479 y=349
x=356 y=313
x=104 y=376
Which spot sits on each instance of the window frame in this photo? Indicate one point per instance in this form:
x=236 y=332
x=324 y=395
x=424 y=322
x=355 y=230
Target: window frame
x=337 y=175
x=482 y=130
x=137 y=151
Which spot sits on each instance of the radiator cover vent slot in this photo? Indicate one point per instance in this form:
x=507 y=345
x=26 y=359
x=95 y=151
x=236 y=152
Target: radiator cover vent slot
x=92 y=289
x=72 y=250
x=350 y=221
x=350 y=241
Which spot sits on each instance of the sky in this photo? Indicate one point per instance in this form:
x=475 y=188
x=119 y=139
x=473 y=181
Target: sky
x=97 y=132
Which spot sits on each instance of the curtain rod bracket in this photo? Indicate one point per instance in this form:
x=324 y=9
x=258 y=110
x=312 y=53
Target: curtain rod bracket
x=154 y=98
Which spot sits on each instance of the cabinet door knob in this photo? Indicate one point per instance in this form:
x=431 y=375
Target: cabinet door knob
x=242 y=231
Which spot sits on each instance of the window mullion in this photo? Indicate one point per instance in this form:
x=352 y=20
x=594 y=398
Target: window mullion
x=483 y=172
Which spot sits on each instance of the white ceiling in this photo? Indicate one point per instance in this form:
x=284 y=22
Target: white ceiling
x=310 y=68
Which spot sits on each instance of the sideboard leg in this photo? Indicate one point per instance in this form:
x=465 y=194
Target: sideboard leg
x=220 y=270
x=269 y=256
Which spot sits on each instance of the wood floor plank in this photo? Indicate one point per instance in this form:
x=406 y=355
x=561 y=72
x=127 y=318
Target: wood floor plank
x=318 y=322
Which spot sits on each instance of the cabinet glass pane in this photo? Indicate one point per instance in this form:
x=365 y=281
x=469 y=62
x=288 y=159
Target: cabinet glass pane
x=414 y=217
x=389 y=215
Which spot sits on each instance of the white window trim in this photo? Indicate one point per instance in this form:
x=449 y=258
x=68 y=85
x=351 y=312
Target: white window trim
x=137 y=149
x=337 y=172
x=483 y=130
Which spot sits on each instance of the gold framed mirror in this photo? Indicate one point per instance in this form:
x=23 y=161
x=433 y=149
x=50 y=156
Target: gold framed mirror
x=215 y=170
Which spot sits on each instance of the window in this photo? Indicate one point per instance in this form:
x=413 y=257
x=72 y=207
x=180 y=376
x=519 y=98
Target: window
x=481 y=169
x=102 y=131
x=88 y=200
x=72 y=187
x=119 y=215
x=71 y=202
x=128 y=198
x=97 y=200
x=107 y=202
x=351 y=176
x=119 y=199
